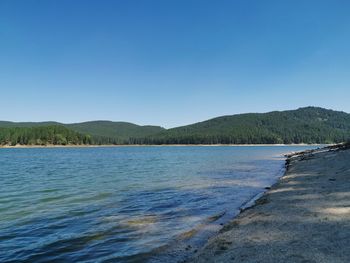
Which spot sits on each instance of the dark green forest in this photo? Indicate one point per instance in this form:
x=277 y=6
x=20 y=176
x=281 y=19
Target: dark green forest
x=101 y=132
x=105 y=132
x=304 y=125
x=42 y=135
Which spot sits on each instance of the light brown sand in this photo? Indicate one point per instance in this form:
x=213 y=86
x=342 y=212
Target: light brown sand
x=305 y=217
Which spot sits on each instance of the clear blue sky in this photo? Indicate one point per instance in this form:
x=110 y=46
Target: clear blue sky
x=170 y=62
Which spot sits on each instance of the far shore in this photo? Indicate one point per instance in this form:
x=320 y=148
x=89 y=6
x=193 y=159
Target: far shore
x=151 y=145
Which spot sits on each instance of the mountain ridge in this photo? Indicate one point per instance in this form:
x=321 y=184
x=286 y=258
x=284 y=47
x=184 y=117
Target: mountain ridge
x=303 y=125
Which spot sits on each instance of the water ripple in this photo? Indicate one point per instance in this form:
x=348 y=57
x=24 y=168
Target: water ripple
x=122 y=204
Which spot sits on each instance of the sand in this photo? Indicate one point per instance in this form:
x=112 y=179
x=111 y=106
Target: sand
x=305 y=217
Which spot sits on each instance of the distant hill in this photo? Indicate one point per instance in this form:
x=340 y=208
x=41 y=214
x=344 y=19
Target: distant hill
x=120 y=132
x=304 y=125
x=102 y=132
x=10 y=124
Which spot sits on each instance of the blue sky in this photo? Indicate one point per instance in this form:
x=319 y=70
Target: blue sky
x=170 y=62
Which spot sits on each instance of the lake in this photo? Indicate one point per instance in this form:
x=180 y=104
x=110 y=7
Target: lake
x=125 y=204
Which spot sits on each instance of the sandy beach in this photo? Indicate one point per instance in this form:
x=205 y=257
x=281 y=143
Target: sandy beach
x=305 y=217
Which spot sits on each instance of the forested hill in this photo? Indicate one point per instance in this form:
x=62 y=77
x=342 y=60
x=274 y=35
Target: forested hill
x=117 y=132
x=304 y=125
x=100 y=132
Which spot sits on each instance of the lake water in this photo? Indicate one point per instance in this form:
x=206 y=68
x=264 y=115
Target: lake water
x=124 y=204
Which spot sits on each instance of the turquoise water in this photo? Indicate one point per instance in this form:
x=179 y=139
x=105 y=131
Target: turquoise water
x=124 y=204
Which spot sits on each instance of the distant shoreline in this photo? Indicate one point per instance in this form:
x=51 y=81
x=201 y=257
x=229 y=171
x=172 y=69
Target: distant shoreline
x=153 y=145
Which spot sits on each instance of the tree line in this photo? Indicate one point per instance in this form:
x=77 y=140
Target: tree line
x=305 y=125
x=42 y=135
x=59 y=135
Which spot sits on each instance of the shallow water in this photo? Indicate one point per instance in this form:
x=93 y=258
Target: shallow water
x=123 y=204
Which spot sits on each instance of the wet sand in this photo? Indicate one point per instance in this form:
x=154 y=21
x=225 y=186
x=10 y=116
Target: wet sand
x=305 y=217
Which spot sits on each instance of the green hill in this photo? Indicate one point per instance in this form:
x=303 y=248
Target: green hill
x=102 y=132
x=120 y=132
x=10 y=124
x=304 y=125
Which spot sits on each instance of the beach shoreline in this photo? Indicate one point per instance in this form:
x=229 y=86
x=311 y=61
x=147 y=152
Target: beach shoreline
x=307 y=206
